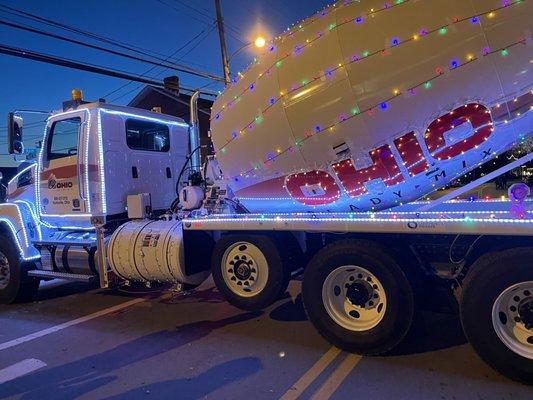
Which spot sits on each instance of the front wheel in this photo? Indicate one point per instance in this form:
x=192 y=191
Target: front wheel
x=249 y=271
x=15 y=286
x=358 y=297
x=497 y=311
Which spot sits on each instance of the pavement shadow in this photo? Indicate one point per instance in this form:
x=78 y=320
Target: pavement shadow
x=431 y=331
x=210 y=295
x=199 y=386
x=79 y=377
x=290 y=311
x=59 y=288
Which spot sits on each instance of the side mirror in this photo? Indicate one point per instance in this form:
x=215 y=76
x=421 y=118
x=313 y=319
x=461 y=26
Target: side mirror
x=14 y=134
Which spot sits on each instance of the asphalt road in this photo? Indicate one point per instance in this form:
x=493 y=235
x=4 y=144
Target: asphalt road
x=83 y=343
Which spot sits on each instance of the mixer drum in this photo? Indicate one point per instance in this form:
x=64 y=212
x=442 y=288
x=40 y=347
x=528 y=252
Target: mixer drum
x=147 y=251
x=370 y=104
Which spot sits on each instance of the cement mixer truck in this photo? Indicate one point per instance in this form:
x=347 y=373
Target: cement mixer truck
x=325 y=148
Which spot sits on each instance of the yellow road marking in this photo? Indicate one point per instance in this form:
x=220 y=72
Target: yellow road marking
x=337 y=377
x=303 y=383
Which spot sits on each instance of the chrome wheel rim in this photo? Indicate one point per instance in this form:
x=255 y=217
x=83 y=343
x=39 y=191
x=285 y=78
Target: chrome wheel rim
x=354 y=298
x=245 y=269
x=5 y=271
x=512 y=318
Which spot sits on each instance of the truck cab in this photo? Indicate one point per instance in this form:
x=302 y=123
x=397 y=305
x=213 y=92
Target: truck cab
x=93 y=156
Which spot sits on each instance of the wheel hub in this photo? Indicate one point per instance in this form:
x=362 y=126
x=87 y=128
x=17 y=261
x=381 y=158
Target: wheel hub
x=243 y=270
x=359 y=293
x=525 y=312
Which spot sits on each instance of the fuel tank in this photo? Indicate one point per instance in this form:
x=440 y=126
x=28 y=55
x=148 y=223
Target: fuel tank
x=370 y=104
x=153 y=250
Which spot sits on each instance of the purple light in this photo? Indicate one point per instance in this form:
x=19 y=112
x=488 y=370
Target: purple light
x=272 y=101
x=474 y=20
x=384 y=106
x=395 y=41
x=234 y=134
x=359 y=20
x=252 y=87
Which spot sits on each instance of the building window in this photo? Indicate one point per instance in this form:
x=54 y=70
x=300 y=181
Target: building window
x=147 y=135
x=63 y=141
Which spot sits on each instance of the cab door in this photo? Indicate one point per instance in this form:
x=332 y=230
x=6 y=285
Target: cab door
x=61 y=174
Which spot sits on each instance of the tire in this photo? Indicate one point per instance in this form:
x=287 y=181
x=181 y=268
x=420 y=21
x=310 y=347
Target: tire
x=359 y=315
x=18 y=287
x=488 y=292
x=261 y=278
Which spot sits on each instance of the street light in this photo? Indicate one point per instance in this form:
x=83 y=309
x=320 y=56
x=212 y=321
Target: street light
x=259 y=42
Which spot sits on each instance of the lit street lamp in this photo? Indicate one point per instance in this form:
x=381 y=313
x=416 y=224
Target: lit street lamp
x=259 y=43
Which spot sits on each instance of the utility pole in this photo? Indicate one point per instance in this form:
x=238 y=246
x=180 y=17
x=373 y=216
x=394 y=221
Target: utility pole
x=223 y=49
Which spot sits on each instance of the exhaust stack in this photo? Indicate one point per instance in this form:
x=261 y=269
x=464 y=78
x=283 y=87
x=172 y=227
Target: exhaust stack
x=194 y=133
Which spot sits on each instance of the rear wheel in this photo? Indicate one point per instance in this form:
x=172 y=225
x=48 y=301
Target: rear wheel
x=15 y=286
x=249 y=271
x=358 y=297
x=497 y=311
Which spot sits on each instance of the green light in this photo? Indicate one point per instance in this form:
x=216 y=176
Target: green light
x=504 y=53
x=366 y=53
x=223 y=150
x=428 y=85
x=278 y=64
x=304 y=82
x=332 y=26
x=399 y=1
x=443 y=31
x=355 y=111
x=258 y=119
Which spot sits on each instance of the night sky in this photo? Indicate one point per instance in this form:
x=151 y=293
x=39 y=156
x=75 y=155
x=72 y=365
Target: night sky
x=161 y=26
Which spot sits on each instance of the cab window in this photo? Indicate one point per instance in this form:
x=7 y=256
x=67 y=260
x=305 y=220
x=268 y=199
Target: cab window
x=63 y=138
x=147 y=135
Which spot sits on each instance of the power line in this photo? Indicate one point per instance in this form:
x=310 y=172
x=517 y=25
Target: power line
x=235 y=34
x=93 y=36
x=160 y=72
x=102 y=38
x=152 y=68
x=117 y=53
x=46 y=58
